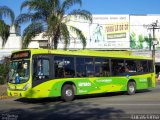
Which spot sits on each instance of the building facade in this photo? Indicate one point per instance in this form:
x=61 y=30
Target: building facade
x=106 y=32
x=14 y=42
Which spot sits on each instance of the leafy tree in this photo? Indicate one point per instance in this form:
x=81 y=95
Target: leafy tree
x=52 y=17
x=4 y=68
x=6 y=12
x=4 y=28
x=4 y=32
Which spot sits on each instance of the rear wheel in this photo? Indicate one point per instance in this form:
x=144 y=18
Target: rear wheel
x=67 y=92
x=131 y=88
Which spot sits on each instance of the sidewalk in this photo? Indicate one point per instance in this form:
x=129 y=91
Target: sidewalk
x=3 y=92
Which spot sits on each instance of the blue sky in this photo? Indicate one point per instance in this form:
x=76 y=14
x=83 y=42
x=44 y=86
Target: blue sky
x=105 y=6
x=122 y=6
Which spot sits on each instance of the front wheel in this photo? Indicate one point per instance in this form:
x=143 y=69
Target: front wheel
x=131 y=88
x=67 y=93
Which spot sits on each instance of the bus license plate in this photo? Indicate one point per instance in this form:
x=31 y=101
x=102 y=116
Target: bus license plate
x=15 y=94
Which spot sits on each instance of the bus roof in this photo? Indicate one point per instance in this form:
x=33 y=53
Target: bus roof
x=94 y=53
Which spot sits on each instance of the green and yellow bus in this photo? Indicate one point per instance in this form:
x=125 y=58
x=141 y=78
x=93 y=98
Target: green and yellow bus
x=41 y=73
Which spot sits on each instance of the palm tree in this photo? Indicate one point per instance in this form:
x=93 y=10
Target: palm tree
x=4 y=32
x=52 y=17
x=7 y=12
x=4 y=28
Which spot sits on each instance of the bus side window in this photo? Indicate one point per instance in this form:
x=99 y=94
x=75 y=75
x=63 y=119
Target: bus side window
x=150 y=66
x=105 y=68
x=89 y=67
x=59 y=66
x=69 y=70
x=142 y=66
x=145 y=66
x=98 y=67
x=64 y=67
x=80 y=67
x=102 y=68
x=130 y=66
x=117 y=67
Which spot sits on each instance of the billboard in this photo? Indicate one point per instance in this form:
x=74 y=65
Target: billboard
x=105 y=32
x=141 y=32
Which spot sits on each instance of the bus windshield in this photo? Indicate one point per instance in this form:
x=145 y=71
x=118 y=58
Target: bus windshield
x=19 y=71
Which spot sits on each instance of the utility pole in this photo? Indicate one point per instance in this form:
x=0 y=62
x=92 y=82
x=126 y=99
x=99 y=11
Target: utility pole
x=153 y=27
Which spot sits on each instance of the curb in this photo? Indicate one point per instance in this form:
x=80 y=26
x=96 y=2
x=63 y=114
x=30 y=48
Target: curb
x=4 y=97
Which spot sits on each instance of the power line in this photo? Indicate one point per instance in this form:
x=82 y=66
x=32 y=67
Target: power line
x=154 y=26
x=103 y=24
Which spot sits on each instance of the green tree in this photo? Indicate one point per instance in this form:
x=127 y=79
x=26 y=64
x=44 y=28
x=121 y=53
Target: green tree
x=52 y=17
x=4 y=28
x=6 y=12
x=4 y=32
x=4 y=68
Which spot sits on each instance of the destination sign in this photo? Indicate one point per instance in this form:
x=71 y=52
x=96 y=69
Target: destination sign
x=20 y=55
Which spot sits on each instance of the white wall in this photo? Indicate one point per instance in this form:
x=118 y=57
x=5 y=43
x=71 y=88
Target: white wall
x=34 y=44
x=35 y=41
x=14 y=42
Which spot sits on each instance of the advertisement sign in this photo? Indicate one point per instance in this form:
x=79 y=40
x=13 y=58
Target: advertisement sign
x=141 y=31
x=105 y=32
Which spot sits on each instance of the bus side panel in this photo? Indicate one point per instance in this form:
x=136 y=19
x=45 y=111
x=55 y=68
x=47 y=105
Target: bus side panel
x=93 y=85
x=46 y=89
x=53 y=88
x=144 y=81
x=109 y=84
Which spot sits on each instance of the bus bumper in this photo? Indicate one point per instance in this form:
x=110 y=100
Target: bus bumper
x=20 y=94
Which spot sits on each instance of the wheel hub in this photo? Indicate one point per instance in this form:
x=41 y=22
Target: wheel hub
x=69 y=92
x=131 y=88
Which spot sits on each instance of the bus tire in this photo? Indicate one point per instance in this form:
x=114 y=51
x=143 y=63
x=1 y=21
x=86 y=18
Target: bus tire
x=131 y=88
x=67 y=93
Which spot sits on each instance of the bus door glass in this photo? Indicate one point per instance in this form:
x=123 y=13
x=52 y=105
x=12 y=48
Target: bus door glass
x=41 y=69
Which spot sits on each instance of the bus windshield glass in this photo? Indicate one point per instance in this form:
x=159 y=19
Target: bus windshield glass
x=19 y=71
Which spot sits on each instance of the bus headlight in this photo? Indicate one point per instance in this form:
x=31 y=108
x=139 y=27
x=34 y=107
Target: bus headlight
x=26 y=86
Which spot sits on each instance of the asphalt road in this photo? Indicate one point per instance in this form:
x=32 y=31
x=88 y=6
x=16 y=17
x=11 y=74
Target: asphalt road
x=143 y=105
